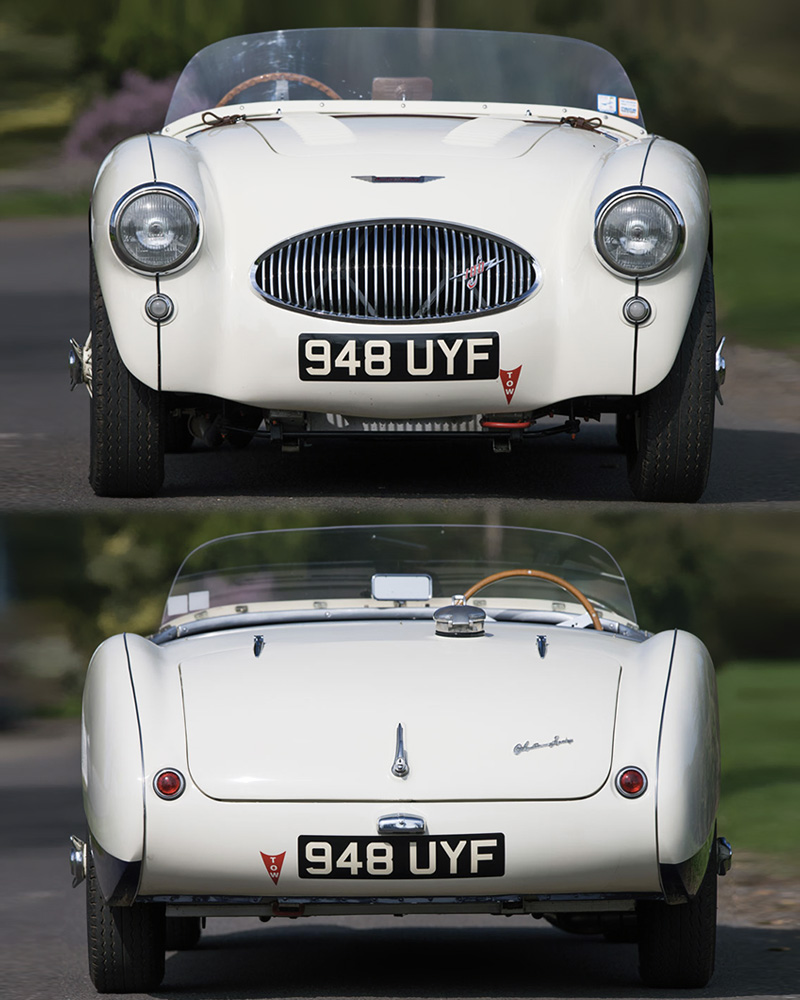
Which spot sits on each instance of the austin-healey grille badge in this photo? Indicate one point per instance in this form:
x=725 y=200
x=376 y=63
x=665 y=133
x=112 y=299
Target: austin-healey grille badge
x=472 y=273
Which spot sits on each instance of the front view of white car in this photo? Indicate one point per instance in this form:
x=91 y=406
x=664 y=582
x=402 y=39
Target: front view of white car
x=400 y=719
x=365 y=232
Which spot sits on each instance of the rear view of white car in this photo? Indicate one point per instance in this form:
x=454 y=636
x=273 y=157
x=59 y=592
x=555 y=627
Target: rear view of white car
x=401 y=232
x=400 y=719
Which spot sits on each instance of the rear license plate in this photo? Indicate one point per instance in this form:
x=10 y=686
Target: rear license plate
x=477 y=855
x=392 y=357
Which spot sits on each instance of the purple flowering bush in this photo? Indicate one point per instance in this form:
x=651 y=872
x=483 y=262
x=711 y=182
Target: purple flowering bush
x=138 y=106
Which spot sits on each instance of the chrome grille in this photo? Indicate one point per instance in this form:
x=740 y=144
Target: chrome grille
x=395 y=272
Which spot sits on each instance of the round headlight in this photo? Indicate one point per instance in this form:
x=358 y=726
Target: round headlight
x=155 y=228
x=638 y=233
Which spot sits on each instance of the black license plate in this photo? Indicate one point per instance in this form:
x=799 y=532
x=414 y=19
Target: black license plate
x=475 y=855
x=393 y=357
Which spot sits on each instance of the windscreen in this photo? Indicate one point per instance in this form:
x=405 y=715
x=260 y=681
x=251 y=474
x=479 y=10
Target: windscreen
x=363 y=64
x=314 y=566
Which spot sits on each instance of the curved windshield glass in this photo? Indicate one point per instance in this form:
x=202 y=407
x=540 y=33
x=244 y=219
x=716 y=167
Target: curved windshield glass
x=323 y=569
x=440 y=64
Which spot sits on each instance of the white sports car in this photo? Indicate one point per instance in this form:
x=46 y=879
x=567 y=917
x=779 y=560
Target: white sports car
x=396 y=231
x=400 y=719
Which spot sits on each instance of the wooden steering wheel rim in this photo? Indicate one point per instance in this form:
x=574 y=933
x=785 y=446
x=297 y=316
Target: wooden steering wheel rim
x=310 y=81
x=540 y=575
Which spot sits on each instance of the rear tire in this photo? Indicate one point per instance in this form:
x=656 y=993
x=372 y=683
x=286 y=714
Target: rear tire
x=126 y=943
x=670 y=454
x=128 y=422
x=677 y=943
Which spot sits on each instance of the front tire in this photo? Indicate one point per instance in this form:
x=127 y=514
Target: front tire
x=126 y=943
x=677 y=943
x=128 y=422
x=670 y=453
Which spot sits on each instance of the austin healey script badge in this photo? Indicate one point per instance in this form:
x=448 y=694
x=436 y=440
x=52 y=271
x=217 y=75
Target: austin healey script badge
x=526 y=746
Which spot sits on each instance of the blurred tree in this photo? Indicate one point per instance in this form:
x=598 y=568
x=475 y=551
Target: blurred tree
x=157 y=37
x=719 y=76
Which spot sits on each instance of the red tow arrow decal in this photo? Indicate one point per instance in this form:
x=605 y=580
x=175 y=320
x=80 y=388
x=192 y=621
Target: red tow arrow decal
x=273 y=863
x=510 y=380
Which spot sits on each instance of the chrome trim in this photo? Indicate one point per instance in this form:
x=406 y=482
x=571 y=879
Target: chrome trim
x=379 y=179
x=402 y=823
x=77 y=861
x=181 y=789
x=395 y=271
x=628 y=307
x=527 y=746
x=721 y=368
x=80 y=363
x=627 y=795
x=162 y=299
x=257 y=619
x=460 y=620
x=126 y=199
x=635 y=192
x=400 y=766
x=724 y=856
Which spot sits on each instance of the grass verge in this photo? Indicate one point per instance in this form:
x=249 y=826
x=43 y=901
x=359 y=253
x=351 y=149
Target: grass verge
x=756 y=247
x=760 y=807
x=27 y=203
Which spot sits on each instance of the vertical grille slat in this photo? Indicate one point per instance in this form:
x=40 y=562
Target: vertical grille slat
x=394 y=271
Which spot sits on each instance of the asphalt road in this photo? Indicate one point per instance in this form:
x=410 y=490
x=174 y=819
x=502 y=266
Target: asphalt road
x=43 y=950
x=44 y=429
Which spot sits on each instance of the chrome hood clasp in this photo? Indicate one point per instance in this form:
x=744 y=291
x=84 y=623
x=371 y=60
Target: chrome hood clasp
x=400 y=767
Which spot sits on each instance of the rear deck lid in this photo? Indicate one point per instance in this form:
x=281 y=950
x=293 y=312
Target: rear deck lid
x=315 y=716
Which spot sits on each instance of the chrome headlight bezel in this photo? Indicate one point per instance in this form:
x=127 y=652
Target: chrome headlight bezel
x=627 y=194
x=117 y=219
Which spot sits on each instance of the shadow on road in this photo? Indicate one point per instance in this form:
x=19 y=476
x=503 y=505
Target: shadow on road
x=749 y=466
x=510 y=960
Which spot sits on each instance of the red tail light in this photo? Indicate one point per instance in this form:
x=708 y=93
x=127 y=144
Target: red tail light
x=169 y=784
x=631 y=782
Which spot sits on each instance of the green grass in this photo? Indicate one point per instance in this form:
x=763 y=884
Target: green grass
x=756 y=249
x=30 y=202
x=760 y=719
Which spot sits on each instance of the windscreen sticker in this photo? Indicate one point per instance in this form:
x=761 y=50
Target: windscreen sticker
x=199 y=600
x=628 y=107
x=510 y=380
x=273 y=863
x=607 y=103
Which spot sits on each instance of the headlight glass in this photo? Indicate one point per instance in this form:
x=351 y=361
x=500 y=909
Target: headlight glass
x=156 y=229
x=639 y=234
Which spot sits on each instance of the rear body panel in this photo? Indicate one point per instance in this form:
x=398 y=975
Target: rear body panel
x=299 y=742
